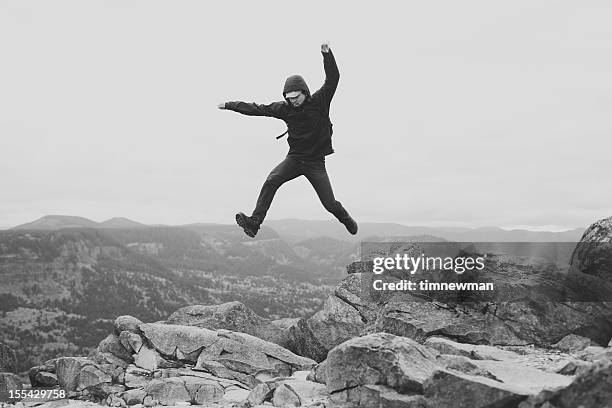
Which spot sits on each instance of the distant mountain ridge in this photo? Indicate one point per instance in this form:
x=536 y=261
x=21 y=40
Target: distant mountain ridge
x=296 y=230
x=55 y=222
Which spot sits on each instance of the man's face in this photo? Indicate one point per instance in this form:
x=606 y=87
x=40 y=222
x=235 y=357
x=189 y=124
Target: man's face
x=296 y=98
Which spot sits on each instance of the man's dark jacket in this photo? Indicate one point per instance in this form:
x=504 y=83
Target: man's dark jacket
x=309 y=126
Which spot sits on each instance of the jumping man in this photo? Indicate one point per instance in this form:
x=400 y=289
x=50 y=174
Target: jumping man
x=309 y=136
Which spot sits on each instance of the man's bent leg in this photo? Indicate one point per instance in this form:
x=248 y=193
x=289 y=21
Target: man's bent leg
x=317 y=176
x=287 y=170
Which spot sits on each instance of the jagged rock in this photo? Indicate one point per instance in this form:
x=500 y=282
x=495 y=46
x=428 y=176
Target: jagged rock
x=308 y=392
x=572 y=342
x=319 y=373
x=115 y=401
x=172 y=339
x=188 y=372
x=127 y=323
x=111 y=344
x=449 y=390
x=351 y=291
x=90 y=376
x=8 y=382
x=337 y=322
x=284 y=323
x=44 y=379
x=235 y=394
x=136 y=377
x=103 y=390
x=233 y=316
x=248 y=359
x=107 y=358
x=463 y=365
x=135 y=396
x=68 y=370
x=418 y=320
x=296 y=362
x=262 y=392
x=147 y=359
x=379 y=396
x=168 y=391
x=589 y=389
x=574 y=367
x=48 y=368
x=285 y=396
x=203 y=391
x=131 y=341
x=473 y=351
x=380 y=358
x=149 y=401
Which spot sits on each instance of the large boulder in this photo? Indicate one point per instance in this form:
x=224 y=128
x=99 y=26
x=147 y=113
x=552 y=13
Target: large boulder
x=68 y=370
x=380 y=359
x=233 y=316
x=337 y=322
x=112 y=345
x=593 y=254
x=127 y=323
x=168 y=391
x=572 y=342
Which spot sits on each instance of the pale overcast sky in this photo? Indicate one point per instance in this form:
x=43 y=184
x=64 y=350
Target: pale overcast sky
x=450 y=113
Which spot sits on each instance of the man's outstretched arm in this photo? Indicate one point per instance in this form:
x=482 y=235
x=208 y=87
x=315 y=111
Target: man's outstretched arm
x=274 y=110
x=332 y=75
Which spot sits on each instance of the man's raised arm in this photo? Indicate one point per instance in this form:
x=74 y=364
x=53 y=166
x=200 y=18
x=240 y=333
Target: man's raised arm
x=274 y=110
x=332 y=75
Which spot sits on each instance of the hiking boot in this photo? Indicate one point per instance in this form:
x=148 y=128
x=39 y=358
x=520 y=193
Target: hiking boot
x=350 y=224
x=250 y=225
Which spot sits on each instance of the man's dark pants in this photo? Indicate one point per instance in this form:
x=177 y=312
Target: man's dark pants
x=287 y=170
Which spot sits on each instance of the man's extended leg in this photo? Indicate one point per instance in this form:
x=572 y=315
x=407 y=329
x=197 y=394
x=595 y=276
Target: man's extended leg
x=317 y=176
x=287 y=170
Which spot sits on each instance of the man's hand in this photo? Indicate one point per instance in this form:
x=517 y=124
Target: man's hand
x=221 y=105
x=325 y=47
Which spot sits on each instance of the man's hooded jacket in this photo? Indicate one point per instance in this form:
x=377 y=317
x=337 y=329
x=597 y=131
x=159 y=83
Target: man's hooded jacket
x=309 y=126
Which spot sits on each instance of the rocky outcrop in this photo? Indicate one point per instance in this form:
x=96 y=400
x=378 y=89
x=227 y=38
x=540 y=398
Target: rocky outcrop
x=338 y=321
x=535 y=302
x=385 y=370
x=345 y=315
x=233 y=316
x=157 y=363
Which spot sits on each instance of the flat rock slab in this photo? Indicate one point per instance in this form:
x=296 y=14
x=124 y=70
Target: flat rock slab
x=529 y=379
x=450 y=390
x=473 y=351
